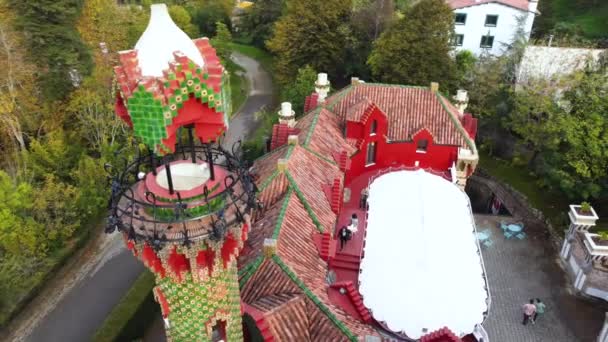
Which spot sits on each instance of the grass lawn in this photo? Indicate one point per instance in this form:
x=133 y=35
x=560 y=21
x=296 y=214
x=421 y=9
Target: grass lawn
x=133 y=313
x=591 y=18
x=552 y=204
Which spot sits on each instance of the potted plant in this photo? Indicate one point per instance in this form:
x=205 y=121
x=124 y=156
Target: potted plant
x=586 y=208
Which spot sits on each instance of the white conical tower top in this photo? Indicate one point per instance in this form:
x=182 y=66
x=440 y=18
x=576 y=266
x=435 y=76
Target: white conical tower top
x=160 y=39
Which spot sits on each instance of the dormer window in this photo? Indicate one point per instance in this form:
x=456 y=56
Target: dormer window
x=373 y=127
x=422 y=145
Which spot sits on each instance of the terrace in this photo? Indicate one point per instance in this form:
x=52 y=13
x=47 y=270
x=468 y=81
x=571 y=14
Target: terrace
x=360 y=266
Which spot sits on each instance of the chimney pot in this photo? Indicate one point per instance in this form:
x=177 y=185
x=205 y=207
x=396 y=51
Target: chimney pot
x=292 y=139
x=286 y=109
x=434 y=87
x=354 y=80
x=287 y=115
x=322 y=87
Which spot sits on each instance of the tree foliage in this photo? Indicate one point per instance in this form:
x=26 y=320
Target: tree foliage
x=415 y=51
x=297 y=91
x=259 y=19
x=309 y=34
x=206 y=13
x=222 y=41
x=54 y=43
x=182 y=19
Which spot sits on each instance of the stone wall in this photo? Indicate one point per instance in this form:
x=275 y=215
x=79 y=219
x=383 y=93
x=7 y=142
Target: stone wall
x=516 y=203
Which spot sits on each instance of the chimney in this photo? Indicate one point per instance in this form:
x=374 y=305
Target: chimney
x=434 y=87
x=287 y=115
x=292 y=140
x=322 y=87
x=354 y=81
x=461 y=100
x=270 y=247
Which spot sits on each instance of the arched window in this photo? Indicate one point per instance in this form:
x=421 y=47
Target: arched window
x=373 y=128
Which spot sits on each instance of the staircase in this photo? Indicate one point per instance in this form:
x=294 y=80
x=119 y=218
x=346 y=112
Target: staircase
x=355 y=298
x=327 y=249
x=346 y=262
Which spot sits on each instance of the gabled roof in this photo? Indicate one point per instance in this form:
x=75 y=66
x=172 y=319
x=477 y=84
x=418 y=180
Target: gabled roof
x=320 y=132
x=408 y=110
x=299 y=210
x=519 y=4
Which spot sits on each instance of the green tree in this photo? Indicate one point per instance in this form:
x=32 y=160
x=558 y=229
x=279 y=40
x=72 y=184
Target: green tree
x=416 y=49
x=206 y=13
x=259 y=19
x=308 y=33
x=536 y=119
x=297 y=91
x=182 y=19
x=222 y=40
x=54 y=43
x=584 y=155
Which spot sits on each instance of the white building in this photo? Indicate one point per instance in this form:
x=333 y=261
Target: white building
x=490 y=25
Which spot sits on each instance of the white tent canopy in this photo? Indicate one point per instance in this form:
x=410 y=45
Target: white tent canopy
x=421 y=270
x=160 y=40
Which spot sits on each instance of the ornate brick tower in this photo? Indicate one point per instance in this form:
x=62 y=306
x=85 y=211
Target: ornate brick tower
x=183 y=208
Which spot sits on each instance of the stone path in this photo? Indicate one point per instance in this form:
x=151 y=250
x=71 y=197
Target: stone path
x=518 y=270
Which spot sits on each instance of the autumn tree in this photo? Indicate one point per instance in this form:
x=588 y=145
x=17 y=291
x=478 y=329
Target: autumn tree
x=54 y=43
x=309 y=33
x=416 y=50
x=259 y=19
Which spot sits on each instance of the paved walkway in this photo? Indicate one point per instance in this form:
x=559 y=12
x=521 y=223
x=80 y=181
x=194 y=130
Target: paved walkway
x=522 y=269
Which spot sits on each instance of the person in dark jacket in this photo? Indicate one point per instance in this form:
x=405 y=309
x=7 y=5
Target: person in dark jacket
x=344 y=235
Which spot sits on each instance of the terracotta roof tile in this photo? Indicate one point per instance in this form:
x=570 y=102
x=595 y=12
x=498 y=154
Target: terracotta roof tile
x=326 y=137
x=273 y=301
x=269 y=280
x=310 y=173
x=260 y=230
x=290 y=322
x=408 y=109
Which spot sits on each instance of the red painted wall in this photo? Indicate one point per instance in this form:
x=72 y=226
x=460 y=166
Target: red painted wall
x=436 y=157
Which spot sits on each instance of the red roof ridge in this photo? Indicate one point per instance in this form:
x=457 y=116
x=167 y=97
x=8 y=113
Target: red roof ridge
x=518 y=4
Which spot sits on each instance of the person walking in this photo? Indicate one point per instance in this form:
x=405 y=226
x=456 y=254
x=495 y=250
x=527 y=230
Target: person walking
x=363 y=201
x=354 y=224
x=529 y=310
x=344 y=236
x=540 y=309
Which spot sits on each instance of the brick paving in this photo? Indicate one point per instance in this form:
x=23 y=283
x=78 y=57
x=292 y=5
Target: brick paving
x=518 y=270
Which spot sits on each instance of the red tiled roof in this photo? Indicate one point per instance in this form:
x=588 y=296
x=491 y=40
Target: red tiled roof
x=408 y=110
x=519 y=4
x=323 y=128
x=297 y=208
x=289 y=312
